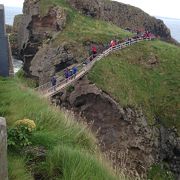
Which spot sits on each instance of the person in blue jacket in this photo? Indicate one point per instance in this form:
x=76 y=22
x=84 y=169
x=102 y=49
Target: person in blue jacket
x=74 y=69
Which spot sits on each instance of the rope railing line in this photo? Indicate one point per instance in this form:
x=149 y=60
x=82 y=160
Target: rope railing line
x=47 y=89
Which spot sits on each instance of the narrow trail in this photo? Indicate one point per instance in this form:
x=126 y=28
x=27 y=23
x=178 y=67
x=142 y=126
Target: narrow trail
x=48 y=91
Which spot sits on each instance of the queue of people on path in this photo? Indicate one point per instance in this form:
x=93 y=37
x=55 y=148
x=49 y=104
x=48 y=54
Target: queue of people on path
x=68 y=74
x=71 y=73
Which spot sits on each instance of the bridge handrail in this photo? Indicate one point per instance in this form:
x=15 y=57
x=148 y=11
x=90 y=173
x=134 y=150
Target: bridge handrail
x=47 y=88
x=48 y=84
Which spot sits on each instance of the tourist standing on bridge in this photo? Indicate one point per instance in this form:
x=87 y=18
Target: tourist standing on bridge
x=53 y=82
x=94 y=51
x=74 y=69
x=112 y=43
x=66 y=74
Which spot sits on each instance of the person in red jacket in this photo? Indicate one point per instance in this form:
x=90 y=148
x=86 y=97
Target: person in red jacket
x=94 y=51
x=112 y=43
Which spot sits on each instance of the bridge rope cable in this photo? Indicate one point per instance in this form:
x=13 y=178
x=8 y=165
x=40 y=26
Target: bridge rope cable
x=48 y=90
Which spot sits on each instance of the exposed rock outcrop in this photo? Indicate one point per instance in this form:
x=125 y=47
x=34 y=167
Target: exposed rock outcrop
x=34 y=29
x=50 y=60
x=124 y=16
x=17 y=22
x=123 y=132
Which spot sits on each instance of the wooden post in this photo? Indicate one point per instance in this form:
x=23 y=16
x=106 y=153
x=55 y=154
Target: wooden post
x=3 y=150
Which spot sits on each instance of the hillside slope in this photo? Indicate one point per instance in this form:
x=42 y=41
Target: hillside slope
x=61 y=148
x=132 y=101
x=145 y=75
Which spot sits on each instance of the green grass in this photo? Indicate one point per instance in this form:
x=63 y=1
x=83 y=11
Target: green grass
x=70 y=163
x=17 y=170
x=156 y=172
x=125 y=76
x=86 y=29
x=80 y=29
x=71 y=147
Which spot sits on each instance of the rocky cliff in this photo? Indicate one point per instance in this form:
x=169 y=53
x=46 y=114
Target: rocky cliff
x=124 y=16
x=34 y=30
x=123 y=132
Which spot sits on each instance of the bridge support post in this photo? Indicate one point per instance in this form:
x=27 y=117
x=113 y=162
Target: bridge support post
x=3 y=150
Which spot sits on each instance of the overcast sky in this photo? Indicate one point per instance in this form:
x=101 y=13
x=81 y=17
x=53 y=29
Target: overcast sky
x=164 y=8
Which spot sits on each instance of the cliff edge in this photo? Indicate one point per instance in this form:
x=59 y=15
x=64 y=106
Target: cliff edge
x=122 y=15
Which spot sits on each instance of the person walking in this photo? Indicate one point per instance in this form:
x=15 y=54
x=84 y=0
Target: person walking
x=74 y=69
x=94 y=51
x=113 y=43
x=53 y=82
x=66 y=74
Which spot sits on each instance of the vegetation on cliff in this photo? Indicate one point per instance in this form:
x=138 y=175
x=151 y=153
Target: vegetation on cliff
x=80 y=29
x=70 y=149
x=143 y=76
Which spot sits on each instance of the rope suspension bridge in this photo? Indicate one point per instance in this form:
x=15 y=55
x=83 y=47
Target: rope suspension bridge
x=47 y=90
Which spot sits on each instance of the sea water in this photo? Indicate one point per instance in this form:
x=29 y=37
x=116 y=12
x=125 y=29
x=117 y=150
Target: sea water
x=10 y=13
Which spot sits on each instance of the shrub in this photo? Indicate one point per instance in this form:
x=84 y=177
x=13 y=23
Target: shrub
x=19 y=136
x=159 y=172
x=70 y=89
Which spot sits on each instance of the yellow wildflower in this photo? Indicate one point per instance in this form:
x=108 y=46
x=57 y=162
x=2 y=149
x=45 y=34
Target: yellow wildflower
x=26 y=122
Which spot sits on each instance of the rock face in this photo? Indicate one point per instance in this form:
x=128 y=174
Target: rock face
x=123 y=132
x=17 y=22
x=34 y=29
x=124 y=16
x=50 y=60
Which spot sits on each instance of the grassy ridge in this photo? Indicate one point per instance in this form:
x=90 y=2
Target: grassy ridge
x=71 y=148
x=127 y=78
x=80 y=29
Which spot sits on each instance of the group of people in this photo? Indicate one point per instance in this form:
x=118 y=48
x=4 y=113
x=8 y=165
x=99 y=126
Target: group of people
x=68 y=74
x=71 y=73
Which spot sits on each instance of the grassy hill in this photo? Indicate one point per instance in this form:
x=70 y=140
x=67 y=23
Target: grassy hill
x=71 y=150
x=80 y=29
x=145 y=75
